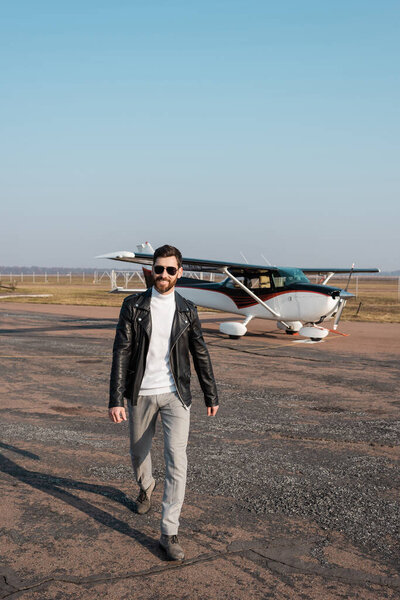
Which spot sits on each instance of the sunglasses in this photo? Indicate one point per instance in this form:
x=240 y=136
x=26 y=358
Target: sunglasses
x=158 y=269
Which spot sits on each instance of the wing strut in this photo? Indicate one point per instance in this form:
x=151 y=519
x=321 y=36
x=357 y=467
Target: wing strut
x=327 y=278
x=256 y=298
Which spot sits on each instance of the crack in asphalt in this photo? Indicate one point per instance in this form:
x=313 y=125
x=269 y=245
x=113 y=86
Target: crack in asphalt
x=351 y=576
x=245 y=351
x=11 y=587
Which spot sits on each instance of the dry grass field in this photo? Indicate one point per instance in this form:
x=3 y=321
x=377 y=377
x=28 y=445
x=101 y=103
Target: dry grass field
x=377 y=298
x=77 y=292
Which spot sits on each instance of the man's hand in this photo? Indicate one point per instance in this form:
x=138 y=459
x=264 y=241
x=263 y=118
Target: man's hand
x=212 y=411
x=117 y=414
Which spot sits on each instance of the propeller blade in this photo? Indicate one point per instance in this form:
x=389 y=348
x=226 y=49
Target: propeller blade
x=342 y=303
x=332 y=330
x=350 y=274
x=338 y=332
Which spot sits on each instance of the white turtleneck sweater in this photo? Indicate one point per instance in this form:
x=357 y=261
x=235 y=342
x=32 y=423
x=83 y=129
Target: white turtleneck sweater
x=157 y=377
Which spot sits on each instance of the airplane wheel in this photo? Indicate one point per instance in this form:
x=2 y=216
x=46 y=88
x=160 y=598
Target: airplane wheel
x=315 y=339
x=290 y=331
x=234 y=337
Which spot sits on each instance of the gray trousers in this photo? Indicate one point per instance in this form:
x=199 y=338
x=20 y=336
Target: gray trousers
x=175 y=420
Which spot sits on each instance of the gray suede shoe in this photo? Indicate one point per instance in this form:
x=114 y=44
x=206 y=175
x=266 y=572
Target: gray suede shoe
x=143 y=501
x=172 y=548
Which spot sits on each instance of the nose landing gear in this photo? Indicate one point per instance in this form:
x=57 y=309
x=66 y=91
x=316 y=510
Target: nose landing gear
x=314 y=332
x=290 y=327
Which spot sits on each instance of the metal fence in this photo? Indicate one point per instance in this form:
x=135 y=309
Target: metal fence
x=97 y=277
x=44 y=277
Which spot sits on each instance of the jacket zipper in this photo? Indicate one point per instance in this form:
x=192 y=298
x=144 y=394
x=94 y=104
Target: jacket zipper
x=173 y=376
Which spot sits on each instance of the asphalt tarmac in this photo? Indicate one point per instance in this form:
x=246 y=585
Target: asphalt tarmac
x=293 y=489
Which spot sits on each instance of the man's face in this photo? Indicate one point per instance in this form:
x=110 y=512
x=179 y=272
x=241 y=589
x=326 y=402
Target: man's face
x=163 y=282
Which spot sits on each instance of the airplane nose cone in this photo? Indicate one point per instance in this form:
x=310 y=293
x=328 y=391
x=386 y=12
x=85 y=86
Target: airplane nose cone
x=336 y=293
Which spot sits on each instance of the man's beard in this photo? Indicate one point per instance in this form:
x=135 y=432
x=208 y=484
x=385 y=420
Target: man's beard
x=162 y=290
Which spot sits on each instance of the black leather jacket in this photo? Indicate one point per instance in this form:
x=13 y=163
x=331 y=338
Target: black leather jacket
x=132 y=343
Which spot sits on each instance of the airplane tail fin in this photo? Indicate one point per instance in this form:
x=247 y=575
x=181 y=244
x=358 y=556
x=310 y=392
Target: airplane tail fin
x=145 y=248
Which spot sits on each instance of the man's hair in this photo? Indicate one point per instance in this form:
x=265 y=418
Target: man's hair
x=166 y=250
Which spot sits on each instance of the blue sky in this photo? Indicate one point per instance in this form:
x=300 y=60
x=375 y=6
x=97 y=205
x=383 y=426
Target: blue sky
x=220 y=127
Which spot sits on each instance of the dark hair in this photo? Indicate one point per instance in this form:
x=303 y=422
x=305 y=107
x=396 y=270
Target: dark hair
x=166 y=250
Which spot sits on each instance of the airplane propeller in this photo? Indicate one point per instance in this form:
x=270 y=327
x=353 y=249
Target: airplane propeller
x=342 y=302
x=338 y=332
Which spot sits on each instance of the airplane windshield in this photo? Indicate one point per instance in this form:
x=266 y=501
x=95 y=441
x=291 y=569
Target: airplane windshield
x=287 y=276
x=268 y=280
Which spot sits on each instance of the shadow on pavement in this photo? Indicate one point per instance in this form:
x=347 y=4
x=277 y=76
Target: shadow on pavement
x=53 y=485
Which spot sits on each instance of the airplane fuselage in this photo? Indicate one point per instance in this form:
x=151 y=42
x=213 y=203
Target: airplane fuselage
x=296 y=302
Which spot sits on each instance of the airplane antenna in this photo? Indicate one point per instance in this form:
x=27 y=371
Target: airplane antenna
x=266 y=260
x=243 y=256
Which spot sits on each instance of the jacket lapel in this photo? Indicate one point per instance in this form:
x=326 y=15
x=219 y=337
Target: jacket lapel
x=143 y=311
x=181 y=320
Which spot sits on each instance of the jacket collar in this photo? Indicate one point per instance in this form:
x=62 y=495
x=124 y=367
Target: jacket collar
x=143 y=302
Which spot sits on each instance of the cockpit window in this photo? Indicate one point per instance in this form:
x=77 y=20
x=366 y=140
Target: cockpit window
x=252 y=283
x=249 y=282
x=284 y=277
x=269 y=280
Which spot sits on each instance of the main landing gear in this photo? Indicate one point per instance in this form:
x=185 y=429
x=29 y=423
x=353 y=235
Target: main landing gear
x=290 y=327
x=235 y=330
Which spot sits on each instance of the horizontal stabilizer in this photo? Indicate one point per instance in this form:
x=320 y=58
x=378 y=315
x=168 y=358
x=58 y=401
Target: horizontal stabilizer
x=121 y=290
x=121 y=255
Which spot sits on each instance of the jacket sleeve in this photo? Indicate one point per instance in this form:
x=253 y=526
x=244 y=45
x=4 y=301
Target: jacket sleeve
x=202 y=361
x=122 y=350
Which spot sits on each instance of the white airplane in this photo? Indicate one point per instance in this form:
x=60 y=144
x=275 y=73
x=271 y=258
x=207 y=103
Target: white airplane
x=281 y=294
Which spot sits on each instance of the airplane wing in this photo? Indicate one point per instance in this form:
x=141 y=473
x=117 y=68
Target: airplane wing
x=218 y=266
x=189 y=264
x=340 y=270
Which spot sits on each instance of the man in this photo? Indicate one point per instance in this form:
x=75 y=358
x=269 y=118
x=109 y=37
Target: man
x=151 y=368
